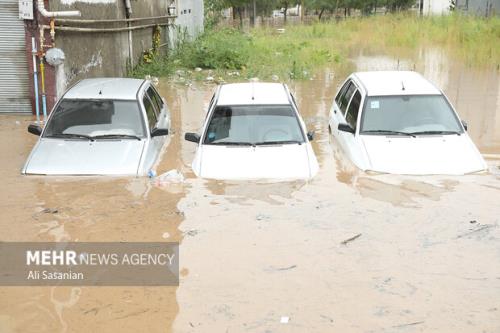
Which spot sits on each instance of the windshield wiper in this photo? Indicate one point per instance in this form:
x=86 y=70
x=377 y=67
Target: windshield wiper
x=117 y=136
x=436 y=133
x=389 y=132
x=286 y=142
x=70 y=136
x=229 y=143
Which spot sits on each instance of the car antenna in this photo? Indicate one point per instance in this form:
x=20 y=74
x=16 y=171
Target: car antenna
x=253 y=91
x=402 y=85
x=100 y=92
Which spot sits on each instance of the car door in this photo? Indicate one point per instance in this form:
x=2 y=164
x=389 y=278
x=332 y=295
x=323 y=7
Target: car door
x=211 y=107
x=349 y=141
x=339 y=106
x=157 y=117
x=163 y=119
x=296 y=107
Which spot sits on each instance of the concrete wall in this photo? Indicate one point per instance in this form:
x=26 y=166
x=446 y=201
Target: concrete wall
x=190 y=14
x=107 y=54
x=479 y=7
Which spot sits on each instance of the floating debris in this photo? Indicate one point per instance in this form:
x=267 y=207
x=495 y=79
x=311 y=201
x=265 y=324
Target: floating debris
x=50 y=211
x=480 y=227
x=170 y=177
x=286 y=268
x=261 y=217
x=192 y=232
x=350 y=239
x=409 y=324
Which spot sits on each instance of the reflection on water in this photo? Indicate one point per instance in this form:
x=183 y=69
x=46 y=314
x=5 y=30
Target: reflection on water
x=254 y=252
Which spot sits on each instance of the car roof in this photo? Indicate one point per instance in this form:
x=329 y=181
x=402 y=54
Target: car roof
x=386 y=83
x=253 y=93
x=105 y=88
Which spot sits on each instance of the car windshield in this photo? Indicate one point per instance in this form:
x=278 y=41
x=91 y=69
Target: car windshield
x=425 y=114
x=96 y=118
x=254 y=125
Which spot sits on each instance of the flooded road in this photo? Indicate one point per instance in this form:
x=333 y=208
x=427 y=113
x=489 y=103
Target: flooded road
x=344 y=252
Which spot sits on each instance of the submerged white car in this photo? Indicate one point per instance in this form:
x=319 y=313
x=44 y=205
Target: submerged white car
x=107 y=126
x=398 y=122
x=253 y=131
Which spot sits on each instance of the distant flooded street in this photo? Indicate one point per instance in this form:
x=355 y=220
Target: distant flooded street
x=344 y=252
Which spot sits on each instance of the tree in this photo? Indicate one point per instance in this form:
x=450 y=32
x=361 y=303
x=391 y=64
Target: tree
x=285 y=4
x=237 y=6
x=320 y=6
x=213 y=9
x=398 y=5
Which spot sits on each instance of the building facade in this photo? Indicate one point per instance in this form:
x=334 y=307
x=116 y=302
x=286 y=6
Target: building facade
x=484 y=8
x=107 y=38
x=435 y=7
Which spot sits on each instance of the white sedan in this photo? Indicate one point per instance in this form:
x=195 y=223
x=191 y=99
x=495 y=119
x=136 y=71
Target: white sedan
x=398 y=122
x=109 y=126
x=253 y=131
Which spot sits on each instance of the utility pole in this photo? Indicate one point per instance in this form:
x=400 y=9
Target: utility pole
x=254 y=11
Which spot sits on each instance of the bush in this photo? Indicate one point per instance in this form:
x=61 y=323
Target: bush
x=299 y=51
x=216 y=49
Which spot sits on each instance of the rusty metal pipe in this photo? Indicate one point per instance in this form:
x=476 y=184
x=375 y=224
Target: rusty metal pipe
x=75 y=29
x=135 y=19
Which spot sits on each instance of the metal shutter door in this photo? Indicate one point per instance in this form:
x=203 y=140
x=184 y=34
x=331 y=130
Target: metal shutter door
x=14 y=74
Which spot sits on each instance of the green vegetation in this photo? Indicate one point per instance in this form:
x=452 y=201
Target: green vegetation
x=265 y=7
x=303 y=49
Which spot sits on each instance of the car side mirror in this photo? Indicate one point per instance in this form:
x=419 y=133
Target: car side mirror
x=159 y=132
x=192 y=137
x=310 y=135
x=35 y=129
x=464 y=124
x=346 y=128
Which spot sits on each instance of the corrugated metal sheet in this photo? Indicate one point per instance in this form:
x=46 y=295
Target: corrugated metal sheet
x=14 y=73
x=485 y=8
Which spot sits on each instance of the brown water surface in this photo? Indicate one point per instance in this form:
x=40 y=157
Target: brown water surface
x=427 y=258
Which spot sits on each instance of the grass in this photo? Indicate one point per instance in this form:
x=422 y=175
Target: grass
x=302 y=49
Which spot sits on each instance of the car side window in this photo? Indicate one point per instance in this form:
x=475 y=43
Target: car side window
x=156 y=99
x=210 y=105
x=293 y=100
x=353 y=110
x=150 y=111
x=346 y=97
x=342 y=92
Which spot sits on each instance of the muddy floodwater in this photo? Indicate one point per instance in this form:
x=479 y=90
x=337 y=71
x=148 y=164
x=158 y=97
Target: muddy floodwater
x=344 y=252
